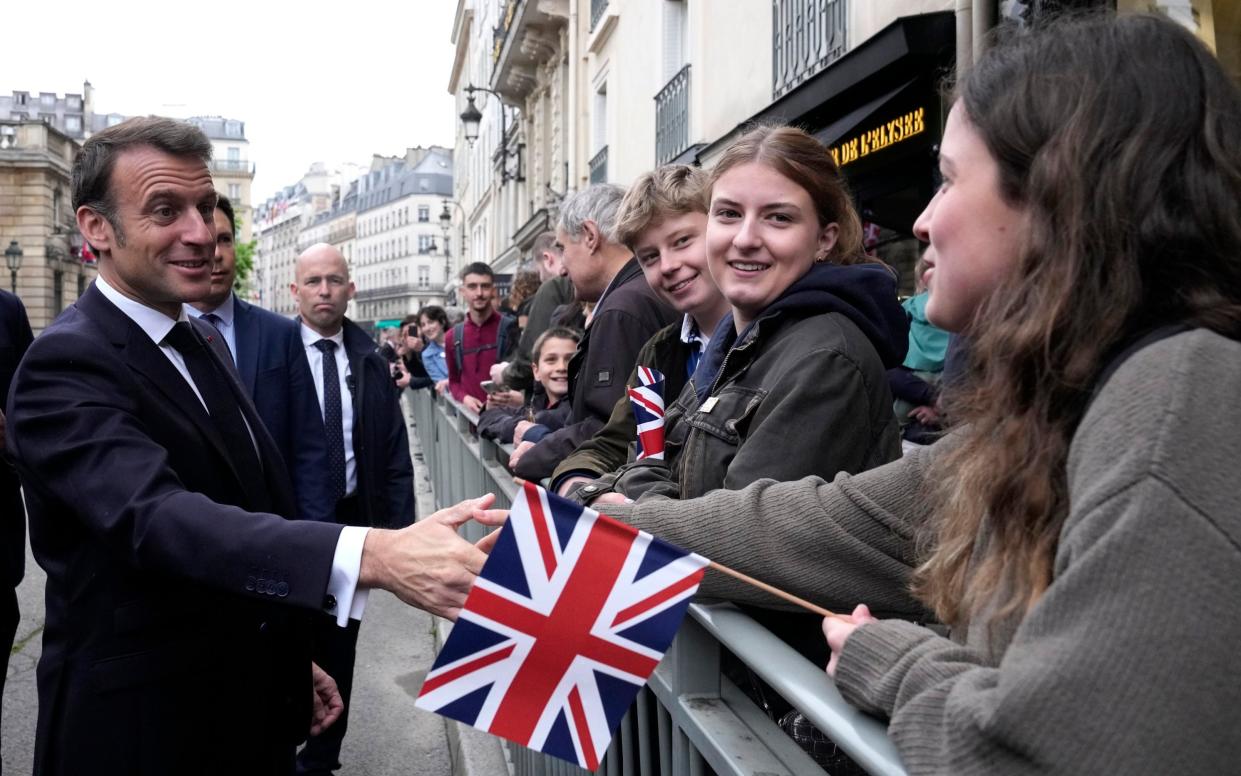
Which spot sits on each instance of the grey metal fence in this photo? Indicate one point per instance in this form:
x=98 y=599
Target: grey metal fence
x=690 y=719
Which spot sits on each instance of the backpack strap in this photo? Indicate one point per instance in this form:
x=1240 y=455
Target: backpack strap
x=458 y=346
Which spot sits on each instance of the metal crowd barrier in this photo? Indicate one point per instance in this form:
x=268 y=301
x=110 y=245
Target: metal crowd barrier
x=690 y=719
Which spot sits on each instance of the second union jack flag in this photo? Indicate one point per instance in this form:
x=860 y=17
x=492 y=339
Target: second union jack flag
x=568 y=618
x=648 y=411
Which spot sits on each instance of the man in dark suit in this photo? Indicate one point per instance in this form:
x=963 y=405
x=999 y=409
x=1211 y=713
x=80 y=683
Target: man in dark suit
x=15 y=338
x=267 y=349
x=369 y=476
x=179 y=597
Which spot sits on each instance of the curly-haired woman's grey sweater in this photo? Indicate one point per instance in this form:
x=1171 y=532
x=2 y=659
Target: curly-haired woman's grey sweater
x=1131 y=660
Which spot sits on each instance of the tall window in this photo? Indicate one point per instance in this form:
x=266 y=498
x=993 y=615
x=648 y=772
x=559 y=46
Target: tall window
x=424 y=243
x=674 y=37
x=600 y=116
x=424 y=276
x=424 y=214
x=234 y=192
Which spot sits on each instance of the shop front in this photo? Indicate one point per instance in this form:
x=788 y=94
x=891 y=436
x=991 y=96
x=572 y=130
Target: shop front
x=880 y=112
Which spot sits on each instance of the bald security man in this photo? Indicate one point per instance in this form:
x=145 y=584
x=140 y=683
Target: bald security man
x=369 y=475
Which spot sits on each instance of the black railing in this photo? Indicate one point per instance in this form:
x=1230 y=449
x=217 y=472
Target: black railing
x=597 y=7
x=672 y=118
x=231 y=165
x=599 y=166
x=388 y=292
x=806 y=36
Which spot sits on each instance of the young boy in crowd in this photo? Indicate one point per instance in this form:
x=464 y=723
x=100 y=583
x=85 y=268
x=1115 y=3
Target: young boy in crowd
x=663 y=220
x=547 y=411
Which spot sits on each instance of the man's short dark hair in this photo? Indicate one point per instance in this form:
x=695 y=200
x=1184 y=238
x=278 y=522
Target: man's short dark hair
x=435 y=313
x=92 y=168
x=478 y=268
x=222 y=204
x=545 y=242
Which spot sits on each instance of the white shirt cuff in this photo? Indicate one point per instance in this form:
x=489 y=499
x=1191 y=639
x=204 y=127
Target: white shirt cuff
x=342 y=586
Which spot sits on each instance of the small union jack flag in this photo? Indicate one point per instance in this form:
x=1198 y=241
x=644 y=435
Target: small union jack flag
x=648 y=411
x=568 y=618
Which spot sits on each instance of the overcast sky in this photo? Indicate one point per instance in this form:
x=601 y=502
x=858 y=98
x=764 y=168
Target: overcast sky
x=312 y=80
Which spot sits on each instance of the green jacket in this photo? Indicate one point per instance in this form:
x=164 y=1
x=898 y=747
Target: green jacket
x=800 y=396
x=610 y=448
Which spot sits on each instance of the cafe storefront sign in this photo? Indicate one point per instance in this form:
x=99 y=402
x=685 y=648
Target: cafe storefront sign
x=889 y=133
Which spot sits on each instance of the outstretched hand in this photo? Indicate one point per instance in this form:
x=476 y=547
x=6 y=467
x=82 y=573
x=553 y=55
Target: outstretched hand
x=428 y=564
x=839 y=629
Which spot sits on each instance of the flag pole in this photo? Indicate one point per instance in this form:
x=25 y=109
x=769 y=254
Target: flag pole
x=777 y=592
x=749 y=580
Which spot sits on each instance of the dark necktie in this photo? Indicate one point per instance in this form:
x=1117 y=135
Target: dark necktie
x=333 y=420
x=223 y=407
x=218 y=323
x=695 y=354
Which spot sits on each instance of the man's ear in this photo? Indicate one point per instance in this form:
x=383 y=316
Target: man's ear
x=592 y=236
x=95 y=229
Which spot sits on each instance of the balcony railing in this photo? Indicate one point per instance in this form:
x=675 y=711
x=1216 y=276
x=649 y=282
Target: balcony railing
x=672 y=118
x=231 y=165
x=599 y=166
x=597 y=7
x=389 y=292
x=807 y=36
x=689 y=718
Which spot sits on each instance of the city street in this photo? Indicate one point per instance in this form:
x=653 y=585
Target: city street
x=387 y=734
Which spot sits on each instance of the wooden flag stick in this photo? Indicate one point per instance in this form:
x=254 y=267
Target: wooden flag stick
x=777 y=592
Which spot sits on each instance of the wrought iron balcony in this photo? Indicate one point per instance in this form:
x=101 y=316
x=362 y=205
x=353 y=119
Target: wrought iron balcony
x=672 y=118
x=599 y=166
x=807 y=36
x=231 y=165
x=597 y=7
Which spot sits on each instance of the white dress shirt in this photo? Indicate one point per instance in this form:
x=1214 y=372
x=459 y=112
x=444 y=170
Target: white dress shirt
x=315 y=357
x=225 y=312
x=347 y=560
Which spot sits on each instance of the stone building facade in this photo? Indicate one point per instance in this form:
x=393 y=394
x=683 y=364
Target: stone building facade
x=36 y=211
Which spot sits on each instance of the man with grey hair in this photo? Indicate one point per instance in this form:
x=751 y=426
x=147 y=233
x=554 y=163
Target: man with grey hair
x=179 y=594
x=627 y=313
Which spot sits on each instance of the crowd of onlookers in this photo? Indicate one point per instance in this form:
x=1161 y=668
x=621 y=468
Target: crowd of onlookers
x=1015 y=480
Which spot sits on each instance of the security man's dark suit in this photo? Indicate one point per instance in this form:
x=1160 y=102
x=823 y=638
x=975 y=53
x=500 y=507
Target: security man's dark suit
x=272 y=364
x=174 y=613
x=384 y=498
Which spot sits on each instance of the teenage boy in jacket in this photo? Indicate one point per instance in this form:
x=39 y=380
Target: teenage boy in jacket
x=627 y=312
x=663 y=220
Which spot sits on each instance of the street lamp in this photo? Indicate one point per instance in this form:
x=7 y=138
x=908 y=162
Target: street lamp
x=13 y=257
x=471 y=117
x=445 y=219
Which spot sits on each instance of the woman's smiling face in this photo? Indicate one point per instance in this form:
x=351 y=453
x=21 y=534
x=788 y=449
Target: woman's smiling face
x=763 y=234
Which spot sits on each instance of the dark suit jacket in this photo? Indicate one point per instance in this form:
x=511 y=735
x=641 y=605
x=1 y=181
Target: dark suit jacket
x=15 y=338
x=273 y=367
x=380 y=444
x=626 y=317
x=176 y=635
